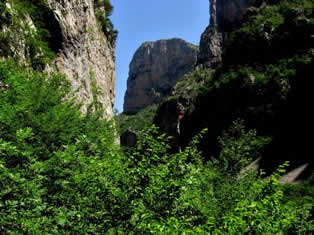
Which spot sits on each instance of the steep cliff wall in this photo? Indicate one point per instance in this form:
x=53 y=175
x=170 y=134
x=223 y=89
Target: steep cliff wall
x=87 y=57
x=263 y=79
x=154 y=70
x=64 y=36
x=224 y=16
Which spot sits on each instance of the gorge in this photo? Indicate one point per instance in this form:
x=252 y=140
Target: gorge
x=219 y=133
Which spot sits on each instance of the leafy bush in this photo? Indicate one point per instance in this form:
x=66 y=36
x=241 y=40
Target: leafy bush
x=193 y=84
x=61 y=173
x=57 y=166
x=179 y=193
x=278 y=31
x=239 y=147
x=138 y=121
x=103 y=10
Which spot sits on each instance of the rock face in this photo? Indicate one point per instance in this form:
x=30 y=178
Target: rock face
x=84 y=53
x=154 y=70
x=86 y=57
x=247 y=85
x=224 y=16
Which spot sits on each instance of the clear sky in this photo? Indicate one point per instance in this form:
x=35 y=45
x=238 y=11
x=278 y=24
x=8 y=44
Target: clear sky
x=139 y=21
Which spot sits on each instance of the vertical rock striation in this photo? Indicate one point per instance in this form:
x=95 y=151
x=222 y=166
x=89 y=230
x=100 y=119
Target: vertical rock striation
x=155 y=69
x=87 y=56
x=224 y=16
x=78 y=33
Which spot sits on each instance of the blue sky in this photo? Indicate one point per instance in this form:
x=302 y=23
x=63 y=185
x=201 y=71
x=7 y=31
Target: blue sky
x=139 y=21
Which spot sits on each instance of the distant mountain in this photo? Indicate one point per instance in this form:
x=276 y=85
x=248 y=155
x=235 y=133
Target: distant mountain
x=255 y=64
x=155 y=69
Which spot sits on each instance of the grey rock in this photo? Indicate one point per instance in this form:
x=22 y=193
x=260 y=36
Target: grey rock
x=87 y=57
x=84 y=53
x=155 y=69
x=225 y=15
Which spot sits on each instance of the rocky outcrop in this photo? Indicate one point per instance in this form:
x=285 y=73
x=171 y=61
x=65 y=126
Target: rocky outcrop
x=225 y=15
x=248 y=86
x=87 y=56
x=83 y=51
x=154 y=70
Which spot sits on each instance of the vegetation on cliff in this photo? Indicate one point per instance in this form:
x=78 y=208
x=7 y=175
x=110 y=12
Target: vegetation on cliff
x=138 y=121
x=103 y=11
x=61 y=173
x=263 y=79
x=26 y=34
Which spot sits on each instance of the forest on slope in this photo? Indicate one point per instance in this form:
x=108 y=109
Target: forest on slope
x=263 y=79
x=62 y=173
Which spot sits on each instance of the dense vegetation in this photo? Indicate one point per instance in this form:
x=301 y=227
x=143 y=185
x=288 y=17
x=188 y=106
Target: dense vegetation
x=61 y=173
x=138 y=121
x=103 y=10
x=263 y=79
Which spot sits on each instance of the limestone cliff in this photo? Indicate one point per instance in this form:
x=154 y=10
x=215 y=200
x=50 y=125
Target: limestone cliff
x=224 y=16
x=82 y=49
x=154 y=70
x=87 y=57
x=263 y=79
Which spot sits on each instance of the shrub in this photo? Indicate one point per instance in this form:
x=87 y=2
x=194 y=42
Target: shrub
x=61 y=173
x=59 y=169
x=138 y=121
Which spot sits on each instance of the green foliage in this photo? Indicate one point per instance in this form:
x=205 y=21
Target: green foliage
x=277 y=31
x=271 y=48
x=239 y=147
x=57 y=166
x=138 y=121
x=103 y=10
x=179 y=193
x=106 y=4
x=193 y=84
x=19 y=21
x=61 y=173
x=95 y=92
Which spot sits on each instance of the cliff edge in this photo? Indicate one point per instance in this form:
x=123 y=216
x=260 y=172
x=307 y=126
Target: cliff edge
x=225 y=15
x=155 y=69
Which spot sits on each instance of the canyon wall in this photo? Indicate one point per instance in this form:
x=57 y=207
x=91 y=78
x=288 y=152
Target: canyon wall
x=225 y=15
x=155 y=69
x=74 y=38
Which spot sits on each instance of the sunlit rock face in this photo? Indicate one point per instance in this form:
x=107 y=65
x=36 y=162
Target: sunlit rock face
x=87 y=56
x=224 y=16
x=155 y=69
x=83 y=51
